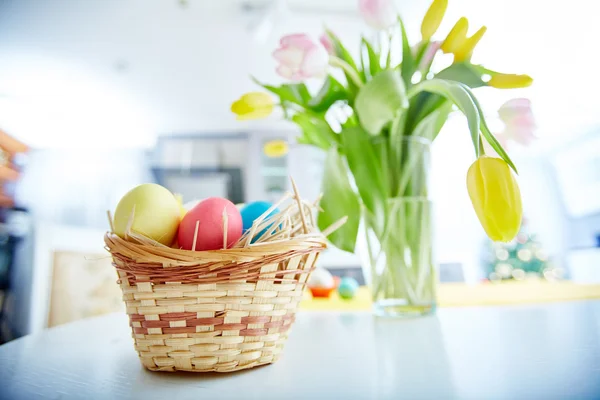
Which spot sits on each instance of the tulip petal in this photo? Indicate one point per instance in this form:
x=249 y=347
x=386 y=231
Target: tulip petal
x=456 y=37
x=496 y=198
x=289 y=56
x=285 y=72
x=315 y=63
x=518 y=119
x=378 y=14
x=239 y=107
x=509 y=81
x=256 y=114
x=298 y=40
x=300 y=58
x=327 y=44
x=433 y=18
x=253 y=105
x=466 y=49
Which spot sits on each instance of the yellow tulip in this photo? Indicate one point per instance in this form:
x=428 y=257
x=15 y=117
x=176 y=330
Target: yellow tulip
x=433 y=18
x=496 y=198
x=466 y=49
x=456 y=37
x=275 y=148
x=253 y=105
x=509 y=81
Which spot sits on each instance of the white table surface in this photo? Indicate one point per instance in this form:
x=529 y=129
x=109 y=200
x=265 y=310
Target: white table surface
x=519 y=352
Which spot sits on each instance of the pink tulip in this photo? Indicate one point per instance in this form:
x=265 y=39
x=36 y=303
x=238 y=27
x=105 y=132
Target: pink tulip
x=327 y=43
x=428 y=56
x=300 y=58
x=378 y=14
x=519 y=123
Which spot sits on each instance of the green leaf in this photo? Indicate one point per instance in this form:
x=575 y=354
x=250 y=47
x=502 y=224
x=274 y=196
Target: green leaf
x=374 y=66
x=489 y=136
x=366 y=169
x=456 y=93
x=430 y=126
x=315 y=131
x=421 y=106
x=296 y=93
x=464 y=73
x=340 y=50
x=483 y=70
x=388 y=58
x=419 y=56
x=379 y=101
x=395 y=149
x=364 y=64
x=342 y=53
x=408 y=62
x=330 y=92
x=339 y=200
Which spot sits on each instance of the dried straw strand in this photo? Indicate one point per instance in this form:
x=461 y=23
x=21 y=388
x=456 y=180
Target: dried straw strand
x=299 y=201
x=110 y=220
x=195 y=235
x=335 y=226
x=129 y=222
x=225 y=224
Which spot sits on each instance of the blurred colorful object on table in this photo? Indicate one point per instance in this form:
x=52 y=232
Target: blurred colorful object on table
x=321 y=283
x=321 y=292
x=347 y=288
x=337 y=280
x=464 y=295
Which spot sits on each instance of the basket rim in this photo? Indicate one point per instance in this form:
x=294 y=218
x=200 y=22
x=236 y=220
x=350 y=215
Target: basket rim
x=173 y=257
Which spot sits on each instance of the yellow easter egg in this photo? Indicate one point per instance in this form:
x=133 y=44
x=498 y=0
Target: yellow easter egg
x=156 y=213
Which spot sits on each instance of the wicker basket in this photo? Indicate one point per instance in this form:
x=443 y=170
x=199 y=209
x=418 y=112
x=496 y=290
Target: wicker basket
x=222 y=310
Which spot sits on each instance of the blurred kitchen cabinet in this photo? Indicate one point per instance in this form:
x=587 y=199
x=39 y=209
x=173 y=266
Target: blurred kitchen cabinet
x=268 y=177
x=200 y=166
x=274 y=172
x=201 y=151
x=262 y=175
x=233 y=153
x=306 y=165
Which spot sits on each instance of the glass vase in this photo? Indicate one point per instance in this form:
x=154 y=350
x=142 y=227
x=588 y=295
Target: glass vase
x=397 y=255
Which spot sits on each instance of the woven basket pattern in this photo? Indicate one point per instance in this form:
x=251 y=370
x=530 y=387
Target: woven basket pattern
x=220 y=311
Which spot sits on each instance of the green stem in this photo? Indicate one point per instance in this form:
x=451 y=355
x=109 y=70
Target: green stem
x=481 y=148
x=351 y=72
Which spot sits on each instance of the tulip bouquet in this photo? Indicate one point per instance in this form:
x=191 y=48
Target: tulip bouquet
x=375 y=119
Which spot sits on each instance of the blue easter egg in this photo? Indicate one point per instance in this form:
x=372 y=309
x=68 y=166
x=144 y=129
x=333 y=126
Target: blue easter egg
x=254 y=210
x=347 y=288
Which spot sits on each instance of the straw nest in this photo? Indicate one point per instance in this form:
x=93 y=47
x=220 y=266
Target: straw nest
x=221 y=310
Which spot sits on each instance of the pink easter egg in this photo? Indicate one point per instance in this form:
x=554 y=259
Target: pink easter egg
x=209 y=215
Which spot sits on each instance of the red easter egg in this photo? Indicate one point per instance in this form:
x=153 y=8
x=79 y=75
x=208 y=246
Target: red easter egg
x=209 y=215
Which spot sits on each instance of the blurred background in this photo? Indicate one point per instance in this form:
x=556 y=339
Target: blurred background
x=113 y=93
